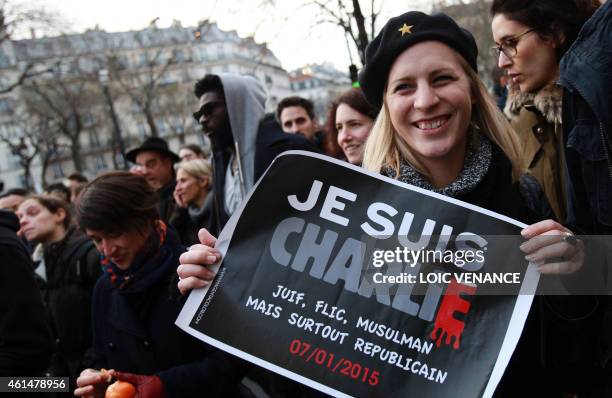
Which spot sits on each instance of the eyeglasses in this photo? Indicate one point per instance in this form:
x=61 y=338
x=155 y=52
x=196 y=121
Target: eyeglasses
x=206 y=110
x=508 y=45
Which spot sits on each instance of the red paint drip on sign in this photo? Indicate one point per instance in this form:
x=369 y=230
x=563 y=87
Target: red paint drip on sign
x=446 y=323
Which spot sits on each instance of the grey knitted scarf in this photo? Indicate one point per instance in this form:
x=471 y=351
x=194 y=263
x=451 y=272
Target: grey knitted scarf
x=477 y=162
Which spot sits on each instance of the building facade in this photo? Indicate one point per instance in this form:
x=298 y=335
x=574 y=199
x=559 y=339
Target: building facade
x=98 y=93
x=320 y=83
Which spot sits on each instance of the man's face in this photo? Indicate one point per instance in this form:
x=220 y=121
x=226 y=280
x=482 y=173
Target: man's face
x=155 y=168
x=295 y=120
x=11 y=202
x=212 y=116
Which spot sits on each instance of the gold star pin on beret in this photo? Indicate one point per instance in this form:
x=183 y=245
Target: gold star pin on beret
x=406 y=29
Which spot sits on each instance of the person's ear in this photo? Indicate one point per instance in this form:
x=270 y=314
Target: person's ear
x=60 y=215
x=204 y=182
x=556 y=38
x=560 y=40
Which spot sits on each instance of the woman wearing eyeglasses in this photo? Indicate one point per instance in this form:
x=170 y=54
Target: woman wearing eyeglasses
x=531 y=37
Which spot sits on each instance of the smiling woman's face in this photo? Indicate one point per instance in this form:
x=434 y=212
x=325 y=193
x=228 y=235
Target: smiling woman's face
x=429 y=100
x=119 y=248
x=353 y=130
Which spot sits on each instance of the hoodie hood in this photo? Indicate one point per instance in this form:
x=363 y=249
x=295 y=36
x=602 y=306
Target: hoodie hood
x=548 y=101
x=245 y=99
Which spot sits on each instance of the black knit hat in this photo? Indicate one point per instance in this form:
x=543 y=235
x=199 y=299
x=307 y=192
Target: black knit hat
x=154 y=144
x=402 y=32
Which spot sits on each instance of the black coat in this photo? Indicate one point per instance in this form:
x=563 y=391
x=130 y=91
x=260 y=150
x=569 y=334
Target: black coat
x=134 y=332
x=166 y=204
x=72 y=269
x=586 y=77
x=25 y=339
x=187 y=227
x=556 y=346
x=587 y=122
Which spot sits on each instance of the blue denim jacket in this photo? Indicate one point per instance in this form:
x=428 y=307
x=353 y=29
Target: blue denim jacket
x=586 y=75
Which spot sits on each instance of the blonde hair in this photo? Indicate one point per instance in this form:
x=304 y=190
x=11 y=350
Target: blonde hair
x=197 y=168
x=385 y=147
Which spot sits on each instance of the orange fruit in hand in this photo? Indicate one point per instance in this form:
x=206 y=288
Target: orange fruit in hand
x=120 y=389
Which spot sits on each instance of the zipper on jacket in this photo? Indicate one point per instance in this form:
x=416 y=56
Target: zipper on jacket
x=606 y=146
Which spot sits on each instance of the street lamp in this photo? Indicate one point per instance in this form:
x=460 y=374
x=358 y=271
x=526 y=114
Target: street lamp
x=117 y=138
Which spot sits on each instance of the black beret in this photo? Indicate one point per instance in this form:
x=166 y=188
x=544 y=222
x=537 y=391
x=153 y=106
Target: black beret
x=402 y=32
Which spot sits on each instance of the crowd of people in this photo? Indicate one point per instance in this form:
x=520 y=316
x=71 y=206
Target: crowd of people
x=97 y=271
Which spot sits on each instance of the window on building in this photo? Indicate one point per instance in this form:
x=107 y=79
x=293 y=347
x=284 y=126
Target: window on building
x=100 y=162
x=221 y=52
x=202 y=53
x=162 y=128
x=179 y=56
x=142 y=130
x=23 y=180
x=88 y=119
x=15 y=160
x=58 y=172
x=161 y=58
x=14 y=131
x=94 y=139
x=177 y=125
x=4 y=60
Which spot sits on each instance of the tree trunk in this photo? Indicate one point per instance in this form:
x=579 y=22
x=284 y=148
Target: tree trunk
x=361 y=28
x=75 y=152
x=29 y=182
x=151 y=122
x=45 y=166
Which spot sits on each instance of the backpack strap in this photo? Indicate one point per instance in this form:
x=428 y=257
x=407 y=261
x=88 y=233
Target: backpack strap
x=77 y=260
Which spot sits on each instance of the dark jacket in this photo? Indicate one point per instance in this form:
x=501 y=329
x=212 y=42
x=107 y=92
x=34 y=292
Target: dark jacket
x=271 y=141
x=557 y=338
x=187 y=225
x=166 y=203
x=72 y=268
x=134 y=332
x=586 y=77
x=25 y=339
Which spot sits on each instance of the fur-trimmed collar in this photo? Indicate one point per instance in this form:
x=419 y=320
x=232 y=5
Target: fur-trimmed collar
x=548 y=101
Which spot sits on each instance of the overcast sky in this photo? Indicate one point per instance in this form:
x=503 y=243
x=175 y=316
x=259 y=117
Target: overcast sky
x=286 y=27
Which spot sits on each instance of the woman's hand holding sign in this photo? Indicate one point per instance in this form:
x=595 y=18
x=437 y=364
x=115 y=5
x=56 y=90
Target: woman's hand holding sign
x=553 y=248
x=549 y=245
x=193 y=271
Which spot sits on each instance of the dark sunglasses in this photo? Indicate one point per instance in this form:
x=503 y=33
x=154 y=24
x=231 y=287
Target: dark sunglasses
x=206 y=110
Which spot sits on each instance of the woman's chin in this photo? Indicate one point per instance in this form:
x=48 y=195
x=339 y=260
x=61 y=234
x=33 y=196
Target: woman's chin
x=121 y=263
x=435 y=153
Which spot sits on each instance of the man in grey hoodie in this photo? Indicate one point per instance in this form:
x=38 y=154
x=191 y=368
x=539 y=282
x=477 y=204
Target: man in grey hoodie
x=243 y=138
x=244 y=142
